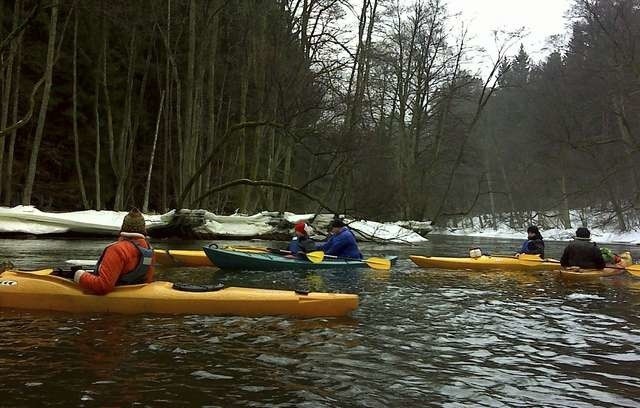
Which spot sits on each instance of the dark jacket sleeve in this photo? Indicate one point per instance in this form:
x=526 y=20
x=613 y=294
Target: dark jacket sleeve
x=325 y=246
x=307 y=245
x=598 y=258
x=536 y=247
x=564 y=261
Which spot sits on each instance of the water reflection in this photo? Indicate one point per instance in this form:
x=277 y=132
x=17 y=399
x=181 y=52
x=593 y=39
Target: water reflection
x=420 y=337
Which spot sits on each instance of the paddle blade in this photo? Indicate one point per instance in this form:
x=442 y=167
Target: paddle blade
x=378 y=263
x=315 y=256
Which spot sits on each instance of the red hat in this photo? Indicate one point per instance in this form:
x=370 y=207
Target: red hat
x=301 y=227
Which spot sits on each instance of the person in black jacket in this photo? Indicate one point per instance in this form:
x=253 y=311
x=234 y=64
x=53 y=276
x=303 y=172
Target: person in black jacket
x=582 y=252
x=534 y=245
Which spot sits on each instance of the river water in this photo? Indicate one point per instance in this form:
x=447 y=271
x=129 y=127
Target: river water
x=421 y=337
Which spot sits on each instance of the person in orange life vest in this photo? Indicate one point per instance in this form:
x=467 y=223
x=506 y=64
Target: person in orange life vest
x=128 y=261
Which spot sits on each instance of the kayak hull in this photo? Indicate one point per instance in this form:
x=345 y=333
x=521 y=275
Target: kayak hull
x=43 y=291
x=484 y=262
x=263 y=261
x=590 y=273
x=176 y=257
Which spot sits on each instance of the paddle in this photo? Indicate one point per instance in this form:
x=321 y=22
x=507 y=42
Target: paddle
x=374 y=263
x=315 y=256
x=318 y=256
x=82 y=262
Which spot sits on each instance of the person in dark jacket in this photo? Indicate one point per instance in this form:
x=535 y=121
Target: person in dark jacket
x=342 y=243
x=534 y=245
x=301 y=243
x=582 y=252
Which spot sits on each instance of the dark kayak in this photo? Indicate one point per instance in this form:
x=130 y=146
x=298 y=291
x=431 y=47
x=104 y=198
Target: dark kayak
x=264 y=261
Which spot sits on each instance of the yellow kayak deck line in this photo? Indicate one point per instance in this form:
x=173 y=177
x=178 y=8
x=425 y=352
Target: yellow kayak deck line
x=523 y=262
x=181 y=257
x=43 y=291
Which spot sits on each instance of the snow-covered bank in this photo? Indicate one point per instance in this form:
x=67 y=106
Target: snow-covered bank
x=30 y=220
x=191 y=224
x=600 y=232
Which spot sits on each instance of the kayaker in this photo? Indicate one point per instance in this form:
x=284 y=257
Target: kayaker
x=301 y=243
x=128 y=261
x=534 y=245
x=341 y=243
x=582 y=252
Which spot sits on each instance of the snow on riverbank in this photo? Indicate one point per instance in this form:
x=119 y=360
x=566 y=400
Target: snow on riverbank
x=30 y=220
x=365 y=230
x=599 y=233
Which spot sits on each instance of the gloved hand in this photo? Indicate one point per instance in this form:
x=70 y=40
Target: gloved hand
x=78 y=274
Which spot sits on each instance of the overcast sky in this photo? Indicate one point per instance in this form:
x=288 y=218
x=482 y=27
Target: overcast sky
x=540 y=18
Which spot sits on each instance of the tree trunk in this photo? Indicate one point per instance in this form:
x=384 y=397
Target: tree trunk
x=167 y=116
x=96 y=165
x=16 y=49
x=35 y=149
x=564 y=210
x=76 y=139
x=145 y=203
x=119 y=163
x=492 y=199
x=210 y=137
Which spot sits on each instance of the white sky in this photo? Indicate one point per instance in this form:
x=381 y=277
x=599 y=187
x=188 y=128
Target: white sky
x=540 y=19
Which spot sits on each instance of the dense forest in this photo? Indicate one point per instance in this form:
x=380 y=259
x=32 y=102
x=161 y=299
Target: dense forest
x=368 y=108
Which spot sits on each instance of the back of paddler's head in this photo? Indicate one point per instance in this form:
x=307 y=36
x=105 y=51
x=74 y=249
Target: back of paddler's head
x=583 y=233
x=134 y=222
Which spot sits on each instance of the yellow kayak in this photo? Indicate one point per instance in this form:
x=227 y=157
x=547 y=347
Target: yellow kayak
x=523 y=262
x=590 y=273
x=178 y=257
x=197 y=257
x=44 y=291
x=164 y=257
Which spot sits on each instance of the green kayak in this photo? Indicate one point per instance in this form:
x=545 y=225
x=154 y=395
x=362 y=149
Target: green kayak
x=264 y=261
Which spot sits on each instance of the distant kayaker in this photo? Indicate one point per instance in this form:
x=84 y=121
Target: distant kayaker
x=128 y=261
x=582 y=252
x=342 y=243
x=534 y=245
x=301 y=243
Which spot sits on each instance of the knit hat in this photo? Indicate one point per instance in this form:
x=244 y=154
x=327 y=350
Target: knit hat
x=302 y=228
x=134 y=222
x=337 y=223
x=533 y=229
x=583 y=233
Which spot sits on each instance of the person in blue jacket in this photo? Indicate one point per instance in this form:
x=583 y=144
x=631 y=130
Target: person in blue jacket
x=342 y=242
x=534 y=245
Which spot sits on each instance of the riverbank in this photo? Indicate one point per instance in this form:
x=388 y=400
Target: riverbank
x=603 y=230
x=23 y=221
